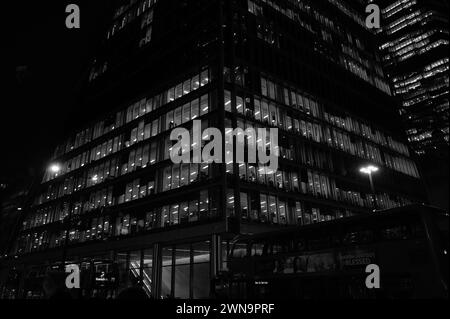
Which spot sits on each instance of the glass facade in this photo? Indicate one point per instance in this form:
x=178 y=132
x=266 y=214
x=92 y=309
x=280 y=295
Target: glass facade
x=415 y=43
x=121 y=209
x=184 y=272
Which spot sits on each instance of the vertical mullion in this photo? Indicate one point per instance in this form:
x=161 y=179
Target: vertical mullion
x=141 y=268
x=172 y=284
x=156 y=271
x=191 y=273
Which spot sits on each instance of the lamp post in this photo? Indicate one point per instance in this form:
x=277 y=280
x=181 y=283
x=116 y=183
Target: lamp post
x=56 y=168
x=370 y=170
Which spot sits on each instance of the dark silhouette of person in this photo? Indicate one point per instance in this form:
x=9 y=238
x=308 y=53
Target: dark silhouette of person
x=133 y=293
x=278 y=266
x=300 y=264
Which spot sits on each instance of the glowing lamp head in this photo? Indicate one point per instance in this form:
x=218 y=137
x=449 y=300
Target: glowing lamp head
x=55 y=168
x=369 y=170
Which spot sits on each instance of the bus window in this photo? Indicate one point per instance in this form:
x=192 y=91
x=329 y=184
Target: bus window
x=401 y=232
x=257 y=249
x=358 y=237
x=280 y=247
x=240 y=251
x=276 y=249
x=321 y=262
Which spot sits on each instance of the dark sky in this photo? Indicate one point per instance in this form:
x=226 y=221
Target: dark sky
x=46 y=69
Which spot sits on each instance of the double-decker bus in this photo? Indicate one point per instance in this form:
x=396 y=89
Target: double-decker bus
x=329 y=260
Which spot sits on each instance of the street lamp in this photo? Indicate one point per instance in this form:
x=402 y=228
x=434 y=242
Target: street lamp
x=55 y=168
x=369 y=170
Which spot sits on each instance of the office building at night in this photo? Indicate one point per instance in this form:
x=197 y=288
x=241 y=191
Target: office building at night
x=415 y=44
x=12 y=201
x=113 y=202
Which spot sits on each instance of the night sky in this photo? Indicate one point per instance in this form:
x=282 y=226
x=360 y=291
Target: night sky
x=46 y=69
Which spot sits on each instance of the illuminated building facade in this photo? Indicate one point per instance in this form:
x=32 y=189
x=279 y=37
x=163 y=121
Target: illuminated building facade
x=307 y=68
x=415 y=45
x=12 y=201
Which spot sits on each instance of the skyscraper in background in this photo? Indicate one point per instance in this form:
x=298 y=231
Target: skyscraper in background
x=414 y=49
x=111 y=193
